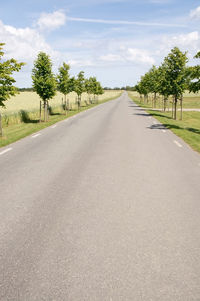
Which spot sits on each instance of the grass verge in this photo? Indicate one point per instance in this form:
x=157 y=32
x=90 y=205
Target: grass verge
x=14 y=132
x=189 y=102
x=188 y=129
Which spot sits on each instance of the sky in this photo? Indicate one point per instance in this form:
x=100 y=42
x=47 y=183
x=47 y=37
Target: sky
x=115 y=40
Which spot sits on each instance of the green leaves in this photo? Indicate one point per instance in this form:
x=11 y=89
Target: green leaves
x=175 y=72
x=194 y=75
x=44 y=81
x=65 y=83
x=168 y=79
x=79 y=86
x=6 y=80
x=92 y=86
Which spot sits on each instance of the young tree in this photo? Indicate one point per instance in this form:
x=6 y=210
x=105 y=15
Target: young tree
x=194 y=76
x=6 y=80
x=89 y=87
x=138 y=89
x=71 y=87
x=93 y=86
x=44 y=81
x=175 y=74
x=64 y=82
x=79 y=86
x=163 y=85
x=153 y=83
x=98 y=90
x=145 y=86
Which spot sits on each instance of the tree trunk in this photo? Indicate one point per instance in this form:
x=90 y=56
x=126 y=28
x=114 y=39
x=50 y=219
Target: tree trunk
x=181 y=100
x=44 y=110
x=154 y=100
x=175 y=107
x=172 y=108
x=47 y=110
x=1 y=129
x=165 y=101
x=78 y=101
x=65 y=105
x=68 y=104
x=40 y=110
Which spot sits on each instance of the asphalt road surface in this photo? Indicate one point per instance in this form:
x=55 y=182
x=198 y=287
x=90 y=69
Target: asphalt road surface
x=104 y=206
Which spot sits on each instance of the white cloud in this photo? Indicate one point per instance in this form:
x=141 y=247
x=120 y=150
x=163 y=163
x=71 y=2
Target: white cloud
x=123 y=22
x=84 y=62
x=111 y=58
x=195 y=14
x=51 y=21
x=23 y=43
x=135 y=55
x=189 y=41
x=139 y=55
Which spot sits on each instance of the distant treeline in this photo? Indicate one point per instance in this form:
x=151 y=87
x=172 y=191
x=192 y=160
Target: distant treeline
x=127 y=88
x=25 y=89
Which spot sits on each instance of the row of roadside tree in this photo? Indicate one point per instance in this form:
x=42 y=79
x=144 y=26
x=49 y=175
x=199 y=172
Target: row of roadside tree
x=170 y=80
x=46 y=83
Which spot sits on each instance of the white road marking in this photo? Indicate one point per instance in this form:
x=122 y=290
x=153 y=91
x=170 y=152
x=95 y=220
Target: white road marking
x=154 y=122
x=164 y=131
x=5 y=151
x=54 y=126
x=149 y=117
x=177 y=143
x=36 y=135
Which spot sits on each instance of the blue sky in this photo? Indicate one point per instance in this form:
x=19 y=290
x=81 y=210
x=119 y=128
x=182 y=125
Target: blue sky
x=115 y=40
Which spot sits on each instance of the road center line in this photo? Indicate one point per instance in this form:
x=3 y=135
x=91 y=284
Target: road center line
x=177 y=143
x=36 y=135
x=5 y=151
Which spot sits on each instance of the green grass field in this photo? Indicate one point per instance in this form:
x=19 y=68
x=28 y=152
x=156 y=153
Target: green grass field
x=29 y=101
x=188 y=129
x=190 y=100
x=16 y=129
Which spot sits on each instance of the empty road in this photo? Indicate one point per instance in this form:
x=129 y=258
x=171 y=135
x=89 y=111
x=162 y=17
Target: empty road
x=104 y=206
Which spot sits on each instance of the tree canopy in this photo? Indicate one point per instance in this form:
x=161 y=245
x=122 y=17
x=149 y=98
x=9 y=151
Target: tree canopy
x=6 y=80
x=44 y=81
x=194 y=74
x=63 y=79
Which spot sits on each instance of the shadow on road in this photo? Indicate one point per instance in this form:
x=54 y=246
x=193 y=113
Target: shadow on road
x=193 y=130
x=166 y=126
x=142 y=114
x=157 y=127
